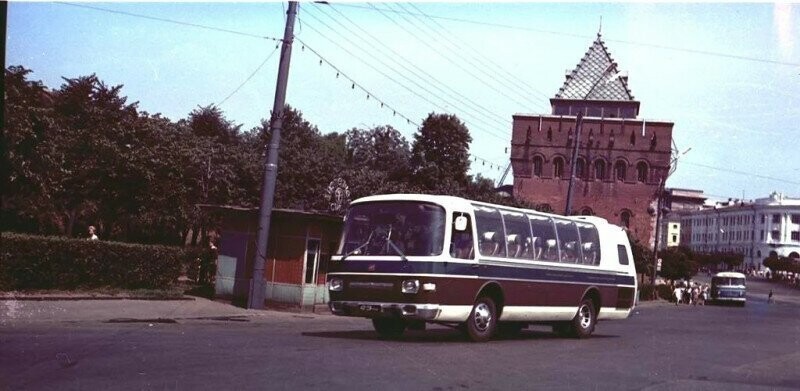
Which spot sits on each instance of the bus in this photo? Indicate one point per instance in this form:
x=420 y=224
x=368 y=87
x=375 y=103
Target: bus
x=405 y=260
x=728 y=287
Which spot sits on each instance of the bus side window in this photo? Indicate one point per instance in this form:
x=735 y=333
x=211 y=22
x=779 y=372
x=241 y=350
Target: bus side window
x=518 y=235
x=590 y=244
x=491 y=233
x=568 y=239
x=543 y=241
x=623 y=254
x=462 y=245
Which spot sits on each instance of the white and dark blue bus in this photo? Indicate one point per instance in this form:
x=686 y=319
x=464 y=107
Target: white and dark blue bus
x=407 y=259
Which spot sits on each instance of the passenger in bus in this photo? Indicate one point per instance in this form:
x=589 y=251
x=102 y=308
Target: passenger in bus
x=462 y=246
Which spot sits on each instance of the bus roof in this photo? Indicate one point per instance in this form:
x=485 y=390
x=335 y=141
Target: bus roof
x=730 y=275
x=463 y=203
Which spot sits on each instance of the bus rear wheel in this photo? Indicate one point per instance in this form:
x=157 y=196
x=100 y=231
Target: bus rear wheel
x=582 y=325
x=389 y=328
x=482 y=322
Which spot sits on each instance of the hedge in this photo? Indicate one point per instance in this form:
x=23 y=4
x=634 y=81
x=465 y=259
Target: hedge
x=45 y=262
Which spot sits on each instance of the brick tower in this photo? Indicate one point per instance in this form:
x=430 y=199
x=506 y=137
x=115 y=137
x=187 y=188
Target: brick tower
x=622 y=158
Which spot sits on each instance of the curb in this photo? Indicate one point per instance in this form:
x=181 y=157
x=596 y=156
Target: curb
x=80 y=298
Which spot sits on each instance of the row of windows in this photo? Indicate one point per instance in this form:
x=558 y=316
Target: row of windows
x=739 y=220
x=742 y=236
x=511 y=234
x=599 y=170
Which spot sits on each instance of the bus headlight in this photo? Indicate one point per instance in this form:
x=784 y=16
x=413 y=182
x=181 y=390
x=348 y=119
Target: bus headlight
x=410 y=286
x=335 y=285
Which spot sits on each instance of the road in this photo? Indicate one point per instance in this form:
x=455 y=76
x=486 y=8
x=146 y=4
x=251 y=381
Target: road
x=661 y=347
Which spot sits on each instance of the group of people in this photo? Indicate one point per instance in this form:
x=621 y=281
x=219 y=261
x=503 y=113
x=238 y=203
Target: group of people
x=692 y=294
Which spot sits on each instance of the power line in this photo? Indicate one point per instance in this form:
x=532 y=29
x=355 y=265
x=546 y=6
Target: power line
x=370 y=94
x=200 y=26
x=248 y=77
x=439 y=53
x=574 y=35
x=431 y=80
x=742 y=173
x=389 y=77
x=478 y=56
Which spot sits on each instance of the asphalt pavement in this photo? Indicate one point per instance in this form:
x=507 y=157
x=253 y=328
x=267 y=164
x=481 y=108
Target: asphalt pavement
x=201 y=344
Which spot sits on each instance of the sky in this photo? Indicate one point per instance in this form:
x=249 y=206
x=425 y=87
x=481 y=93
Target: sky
x=727 y=75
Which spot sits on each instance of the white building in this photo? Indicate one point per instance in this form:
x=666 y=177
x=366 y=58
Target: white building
x=756 y=229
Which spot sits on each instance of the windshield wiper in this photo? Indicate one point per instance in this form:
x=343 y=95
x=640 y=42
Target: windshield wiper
x=397 y=249
x=357 y=249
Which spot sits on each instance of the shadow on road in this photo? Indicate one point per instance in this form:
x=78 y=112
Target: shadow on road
x=438 y=336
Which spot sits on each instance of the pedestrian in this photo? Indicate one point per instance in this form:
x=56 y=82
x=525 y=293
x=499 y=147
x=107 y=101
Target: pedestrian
x=678 y=295
x=695 y=295
x=769 y=297
x=93 y=233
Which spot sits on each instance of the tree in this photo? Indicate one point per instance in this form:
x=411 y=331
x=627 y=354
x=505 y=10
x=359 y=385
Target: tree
x=28 y=155
x=440 y=154
x=676 y=264
x=642 y=256
x=307 y=161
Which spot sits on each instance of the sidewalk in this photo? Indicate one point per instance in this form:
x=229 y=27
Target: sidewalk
x=123 y=310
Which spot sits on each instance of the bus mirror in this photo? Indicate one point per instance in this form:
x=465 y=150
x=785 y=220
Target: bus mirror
x=460 y=224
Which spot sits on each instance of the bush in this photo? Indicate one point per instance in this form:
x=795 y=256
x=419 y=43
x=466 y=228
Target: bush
x=38 y=262
x=664 y=292
x=646 y=292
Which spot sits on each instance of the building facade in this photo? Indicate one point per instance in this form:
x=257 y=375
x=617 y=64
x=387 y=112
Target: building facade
x=677 y=202
x=756 y=229
x=622 y=159
x=298 y=251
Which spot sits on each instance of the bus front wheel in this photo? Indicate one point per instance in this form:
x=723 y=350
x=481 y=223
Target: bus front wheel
x=482 y=322
x=389 y=328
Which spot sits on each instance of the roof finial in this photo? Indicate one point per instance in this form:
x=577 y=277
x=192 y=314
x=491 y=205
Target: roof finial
x=600 y=30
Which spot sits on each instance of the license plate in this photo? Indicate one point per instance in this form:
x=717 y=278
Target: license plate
x=369 y=308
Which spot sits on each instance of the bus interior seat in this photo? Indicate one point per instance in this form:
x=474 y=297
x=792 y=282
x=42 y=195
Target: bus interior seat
x=569 y=253
x=536 y=247
x=489 y=245
x=589 y=254
x=514 y=246
x=552 y=252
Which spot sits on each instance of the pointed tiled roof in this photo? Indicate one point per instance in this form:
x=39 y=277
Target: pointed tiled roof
x=596 y=77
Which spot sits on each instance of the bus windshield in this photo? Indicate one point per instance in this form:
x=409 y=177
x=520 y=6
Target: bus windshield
x=727 y=281
x=397 y=228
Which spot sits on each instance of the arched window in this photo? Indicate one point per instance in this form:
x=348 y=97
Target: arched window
x=537 y=166
x=641 y=172
x=558 y=167
x=794 y=255
x=620 y=170
x=625 y=218
x=599 y=169
x=587 y=211
x=580 y=168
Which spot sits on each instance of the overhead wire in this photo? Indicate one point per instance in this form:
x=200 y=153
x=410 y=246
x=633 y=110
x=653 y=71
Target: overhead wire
x=583 y=36
x=750 y=174
x=248 y=77
x=484 y=62
x=503 y=121
x=370 y=93
x=447 y=58
x=159 y=19
x=392 y=69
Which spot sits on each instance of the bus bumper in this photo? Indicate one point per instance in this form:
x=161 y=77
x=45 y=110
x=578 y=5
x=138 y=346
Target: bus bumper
x=377 y=310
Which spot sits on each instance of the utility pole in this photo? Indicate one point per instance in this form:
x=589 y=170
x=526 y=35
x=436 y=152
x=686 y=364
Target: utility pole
x=659 y=203
x=577 y=141
x=257 y=285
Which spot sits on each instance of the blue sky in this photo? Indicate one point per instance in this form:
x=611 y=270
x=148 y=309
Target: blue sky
x=739 y=116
